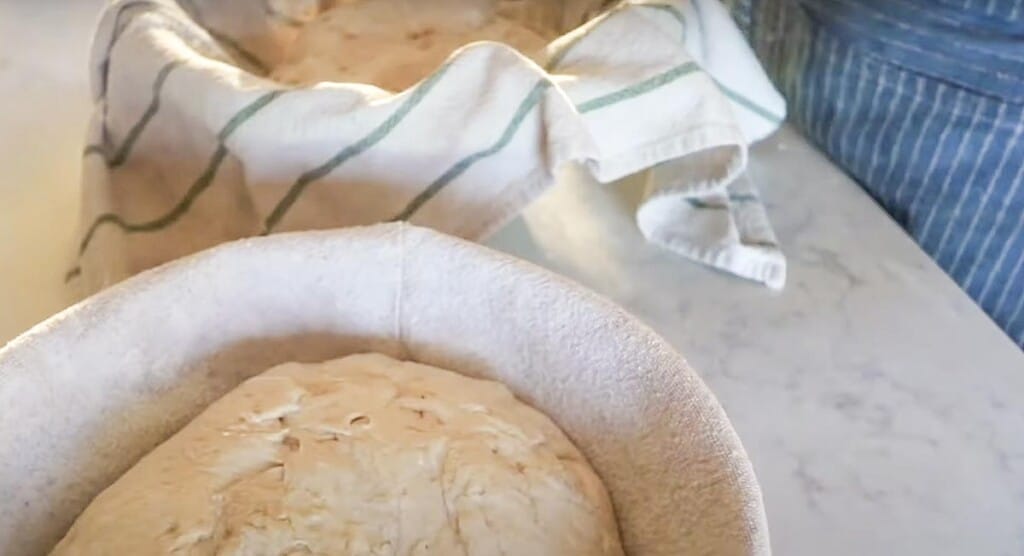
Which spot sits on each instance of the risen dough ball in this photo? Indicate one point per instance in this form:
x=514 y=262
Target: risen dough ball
x=362 y=455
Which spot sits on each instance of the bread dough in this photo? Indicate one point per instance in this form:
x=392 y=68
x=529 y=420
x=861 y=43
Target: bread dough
x=395 y=43
x=361 y=455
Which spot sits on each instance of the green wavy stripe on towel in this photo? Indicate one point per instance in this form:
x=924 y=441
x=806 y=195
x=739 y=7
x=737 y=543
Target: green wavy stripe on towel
x=734 y=95
x=353 y=150
x=697 y=203
x=738 y=198
x=679 y=16
x=744 y=198
x=750 y=105
x=525 y=107
x=115 y=34
x=638 y=89
x=202 y=183
x=121 y=154
x=384 y=129
x=160 y=8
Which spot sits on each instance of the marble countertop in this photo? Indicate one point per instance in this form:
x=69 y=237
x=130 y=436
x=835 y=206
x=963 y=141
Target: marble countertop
x=883 y=411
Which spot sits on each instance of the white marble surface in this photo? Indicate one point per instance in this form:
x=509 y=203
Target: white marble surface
x=884 y=413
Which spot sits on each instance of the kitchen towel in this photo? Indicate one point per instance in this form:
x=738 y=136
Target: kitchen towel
x=191 y=145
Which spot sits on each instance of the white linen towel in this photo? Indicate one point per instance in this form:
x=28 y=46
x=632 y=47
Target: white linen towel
x=191 y=147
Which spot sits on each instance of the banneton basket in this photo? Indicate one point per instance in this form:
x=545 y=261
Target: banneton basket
x=85 y=394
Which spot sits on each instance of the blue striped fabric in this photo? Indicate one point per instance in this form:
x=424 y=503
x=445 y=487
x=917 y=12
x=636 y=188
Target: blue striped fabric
x=1003 y=10
x=938 y=145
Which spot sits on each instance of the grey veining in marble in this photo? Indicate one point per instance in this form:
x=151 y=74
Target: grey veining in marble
x=883 y=411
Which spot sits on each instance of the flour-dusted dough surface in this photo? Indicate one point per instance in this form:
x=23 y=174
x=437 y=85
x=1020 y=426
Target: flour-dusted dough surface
x=361 y=455
x=395 y=43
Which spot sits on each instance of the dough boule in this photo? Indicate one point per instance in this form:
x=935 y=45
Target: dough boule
x=361 y=455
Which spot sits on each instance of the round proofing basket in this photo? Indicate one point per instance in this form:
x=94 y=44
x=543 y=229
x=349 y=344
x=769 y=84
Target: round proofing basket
x=85 y=394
